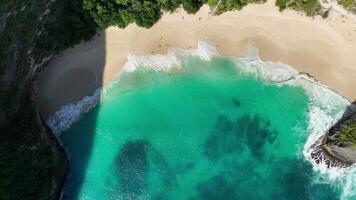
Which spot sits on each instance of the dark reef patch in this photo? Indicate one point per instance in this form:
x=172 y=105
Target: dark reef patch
x=223 y=139
x=80 y=144
x=135 y=160
x=258 y=133
x=133 y=167
x=228 y=136
x=236 y=102
x=217 y=188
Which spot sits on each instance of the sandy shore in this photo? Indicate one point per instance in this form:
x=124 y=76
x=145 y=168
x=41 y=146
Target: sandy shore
x=324 y=48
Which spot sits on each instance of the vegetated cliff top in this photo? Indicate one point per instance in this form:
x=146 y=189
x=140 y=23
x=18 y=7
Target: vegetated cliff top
x=347 y=135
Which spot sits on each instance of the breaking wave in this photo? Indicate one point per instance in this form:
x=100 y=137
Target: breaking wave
x=62 y=119
x=325 y=105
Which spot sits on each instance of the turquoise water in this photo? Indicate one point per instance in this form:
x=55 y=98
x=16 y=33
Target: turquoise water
x=206 y=131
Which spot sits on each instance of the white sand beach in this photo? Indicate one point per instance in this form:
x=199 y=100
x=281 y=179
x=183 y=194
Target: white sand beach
x=324 y=48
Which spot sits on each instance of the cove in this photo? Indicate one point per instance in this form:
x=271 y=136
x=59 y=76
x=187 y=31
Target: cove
x=207 y=130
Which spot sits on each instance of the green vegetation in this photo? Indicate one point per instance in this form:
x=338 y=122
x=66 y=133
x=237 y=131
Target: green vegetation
x=309 y=7
x=143 y=12
x=348 y=4
x=348 y=134
x=230 y=5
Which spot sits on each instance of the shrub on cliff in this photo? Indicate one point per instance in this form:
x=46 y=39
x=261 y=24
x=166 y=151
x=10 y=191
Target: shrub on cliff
x=348 y=134
x=309 y=7
x=144 y=13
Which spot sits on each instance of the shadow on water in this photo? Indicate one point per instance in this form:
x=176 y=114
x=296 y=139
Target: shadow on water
x=135 y=160
x=79 y=142
x=70 y=77
x=80 y=138
x=133 y=167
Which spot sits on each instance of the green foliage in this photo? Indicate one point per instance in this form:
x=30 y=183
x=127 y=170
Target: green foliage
x=230 y=5
x=348 y=4
x=169 y=5
x=67 y=18
x=212 y=2
x=191 y=6
x=309 y=7
x=281 y=4
x=144 y=13
x=123 y=12
x=348 y=134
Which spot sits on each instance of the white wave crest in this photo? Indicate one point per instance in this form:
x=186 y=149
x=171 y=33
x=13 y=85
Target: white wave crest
x=326 y=107
x=251 y=51
x=62 y=119
x=68 y=114
x=172 y=59
x=270 y=71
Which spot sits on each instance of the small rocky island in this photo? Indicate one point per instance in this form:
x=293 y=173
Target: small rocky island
x=337 y=148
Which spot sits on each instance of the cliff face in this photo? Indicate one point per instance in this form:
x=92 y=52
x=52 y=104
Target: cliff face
x=333 y=150
x=341 y=141
x=32 y=163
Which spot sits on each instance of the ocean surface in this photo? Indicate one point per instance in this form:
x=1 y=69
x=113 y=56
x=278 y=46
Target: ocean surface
x=199 y=125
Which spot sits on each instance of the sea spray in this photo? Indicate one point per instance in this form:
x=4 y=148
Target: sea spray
x=325 y=105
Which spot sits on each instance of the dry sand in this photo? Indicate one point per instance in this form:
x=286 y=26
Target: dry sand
x=324 y=48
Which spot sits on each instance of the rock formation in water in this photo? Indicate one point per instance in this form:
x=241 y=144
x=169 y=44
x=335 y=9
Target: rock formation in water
x=329 y=148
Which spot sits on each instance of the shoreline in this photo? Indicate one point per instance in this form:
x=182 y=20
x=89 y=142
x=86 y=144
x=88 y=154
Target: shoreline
x=320 y=47
x=82 y=60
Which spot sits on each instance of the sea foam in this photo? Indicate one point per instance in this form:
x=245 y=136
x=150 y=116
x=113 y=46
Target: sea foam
x=62 y=119
x=171 y=60
x=325 y=105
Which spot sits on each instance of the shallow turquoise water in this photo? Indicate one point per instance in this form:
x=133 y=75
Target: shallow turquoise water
x=206 y=131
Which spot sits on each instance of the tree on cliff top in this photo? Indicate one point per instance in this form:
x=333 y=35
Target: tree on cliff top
x=143 y=12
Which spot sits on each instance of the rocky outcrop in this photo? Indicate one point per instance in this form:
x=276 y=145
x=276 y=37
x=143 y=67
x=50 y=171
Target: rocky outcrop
x=328 y=149
x=322 y=152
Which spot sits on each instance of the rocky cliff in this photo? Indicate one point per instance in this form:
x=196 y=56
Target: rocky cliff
x=32 y=163
x=331 y=148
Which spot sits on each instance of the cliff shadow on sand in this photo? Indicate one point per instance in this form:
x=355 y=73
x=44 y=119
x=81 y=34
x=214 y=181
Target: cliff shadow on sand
x=69 y=78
